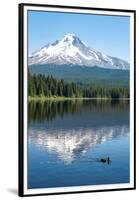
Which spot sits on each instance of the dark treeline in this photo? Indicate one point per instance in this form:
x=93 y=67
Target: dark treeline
x=48 y=86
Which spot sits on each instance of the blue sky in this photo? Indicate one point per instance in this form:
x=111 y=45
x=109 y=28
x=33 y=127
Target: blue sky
x=108 y=34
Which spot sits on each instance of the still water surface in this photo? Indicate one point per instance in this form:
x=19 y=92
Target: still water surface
x=67 y=141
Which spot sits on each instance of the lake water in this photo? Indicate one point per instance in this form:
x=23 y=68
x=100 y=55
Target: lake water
x=68 y=140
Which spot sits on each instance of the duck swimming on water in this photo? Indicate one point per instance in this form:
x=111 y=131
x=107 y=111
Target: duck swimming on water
x=105 y=160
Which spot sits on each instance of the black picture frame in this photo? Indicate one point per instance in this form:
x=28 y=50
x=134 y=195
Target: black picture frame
x=21 y=8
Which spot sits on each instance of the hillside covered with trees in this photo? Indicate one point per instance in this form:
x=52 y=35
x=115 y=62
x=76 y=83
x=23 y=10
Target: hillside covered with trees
x=47 y=86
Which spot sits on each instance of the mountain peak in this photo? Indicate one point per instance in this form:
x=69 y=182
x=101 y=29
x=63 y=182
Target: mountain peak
x=68 y=38
x=72 y=39
x=72 y=50
x=70 y=35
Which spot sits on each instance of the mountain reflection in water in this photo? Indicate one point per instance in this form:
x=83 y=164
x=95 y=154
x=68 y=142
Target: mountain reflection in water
x=71 y=128
x=72 y=144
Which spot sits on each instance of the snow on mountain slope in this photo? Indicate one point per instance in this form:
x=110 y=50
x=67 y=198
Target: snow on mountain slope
x=71 y=50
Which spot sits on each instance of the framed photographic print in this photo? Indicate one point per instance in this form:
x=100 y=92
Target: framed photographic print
x=76 y=99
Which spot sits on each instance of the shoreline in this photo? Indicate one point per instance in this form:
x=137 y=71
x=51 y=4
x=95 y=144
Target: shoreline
x=43 y=98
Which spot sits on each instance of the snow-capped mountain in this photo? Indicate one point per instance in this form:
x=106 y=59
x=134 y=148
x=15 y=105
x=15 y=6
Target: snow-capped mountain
x=70 y=50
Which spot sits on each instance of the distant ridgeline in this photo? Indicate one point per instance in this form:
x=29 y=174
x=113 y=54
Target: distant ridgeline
x=83 y=74
x=41 y=85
